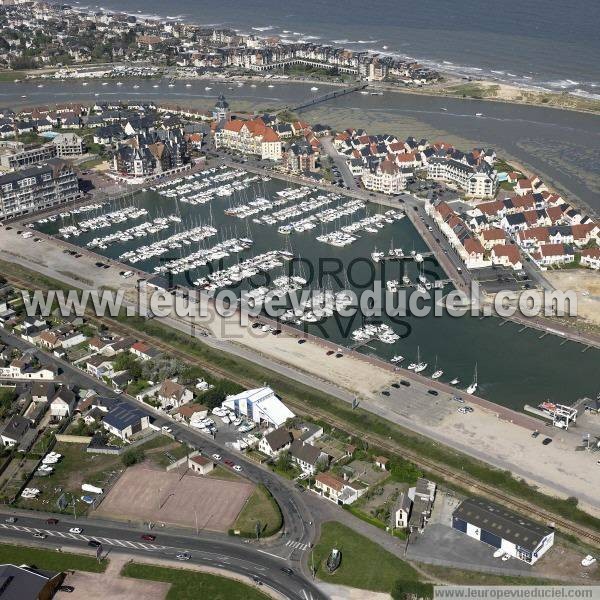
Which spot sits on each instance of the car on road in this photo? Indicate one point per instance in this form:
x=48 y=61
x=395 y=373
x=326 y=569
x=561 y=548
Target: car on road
x=216 y=456
x=75 y=530
x=546 y=441
x=41 y=536
x=229 y=463
x=94 y=543
x=433 y=392
x=166 y=429
x=147 y=537
x=183 y=556
x=287 y=570
x=52 y=521
x=237 y=468
x=256 y=580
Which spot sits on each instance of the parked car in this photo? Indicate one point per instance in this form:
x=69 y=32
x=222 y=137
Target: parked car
x=405 y=383
x=547 y=441
x=588 y=561
x=237 y=468
x=287 y=570
x=147 y=537
x=41 y=536
x=52 y=521
x=75 y=530
x=216 y=456
x=66 y=588
x=94 y=543
x=183 y=556
x=433 y=392
x=11 y=520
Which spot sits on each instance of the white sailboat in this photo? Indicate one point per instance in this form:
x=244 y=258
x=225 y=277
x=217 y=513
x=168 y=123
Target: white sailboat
x=473 y=387
x=419 y=366
x=455 y=381
x=437 y=373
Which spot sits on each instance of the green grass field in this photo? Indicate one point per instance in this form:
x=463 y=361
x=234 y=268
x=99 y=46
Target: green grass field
x=262 y=507
x=365 y=564
x=49 y=559
x=190 y=585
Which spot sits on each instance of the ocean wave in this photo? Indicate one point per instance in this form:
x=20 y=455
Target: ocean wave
x=340 y=41
x=266 y=28
x=585 y=94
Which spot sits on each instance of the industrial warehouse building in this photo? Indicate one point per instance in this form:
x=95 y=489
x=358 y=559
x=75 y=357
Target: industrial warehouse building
x=501 y=528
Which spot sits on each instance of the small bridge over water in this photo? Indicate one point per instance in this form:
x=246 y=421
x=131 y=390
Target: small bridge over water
x=326 y=97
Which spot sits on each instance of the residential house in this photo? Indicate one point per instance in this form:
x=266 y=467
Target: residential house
x=307 y=456
x=274 y=443
x=99 y=366
x=144 y=351
x=507 y=256
x=338 y=490
x=63 y=403
x=124 y=421
x=14 y=431
x=173 y=394
x=591 y=258
x=190 y=411
x=554 y=254
x=401 y=511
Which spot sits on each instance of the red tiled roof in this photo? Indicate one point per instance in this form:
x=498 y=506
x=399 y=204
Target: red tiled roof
x=510 y=251
x=473 y=246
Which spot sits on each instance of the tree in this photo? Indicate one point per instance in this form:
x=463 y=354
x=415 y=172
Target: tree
x=132 y=457
x=406 y=589
x=127 y=362
x=284 y=462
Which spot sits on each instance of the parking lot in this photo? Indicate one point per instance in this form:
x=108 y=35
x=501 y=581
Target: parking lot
x=496 y=278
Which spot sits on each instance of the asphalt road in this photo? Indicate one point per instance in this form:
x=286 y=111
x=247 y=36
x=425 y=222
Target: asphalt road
x=244 y=559
x=299 y=527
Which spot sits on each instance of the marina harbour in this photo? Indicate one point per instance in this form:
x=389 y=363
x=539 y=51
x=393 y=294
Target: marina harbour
x=227 y=228
x=530 y=135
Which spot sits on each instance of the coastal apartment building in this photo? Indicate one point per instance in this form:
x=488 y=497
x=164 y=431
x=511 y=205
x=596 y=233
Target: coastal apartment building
x=480 y=181
x=15 y=155
x=386 y=178
x=69 y=145
x=37 y=188
x=249 y=137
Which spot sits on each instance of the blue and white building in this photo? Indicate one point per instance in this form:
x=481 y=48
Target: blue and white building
x=260 y=405
x=500 y=528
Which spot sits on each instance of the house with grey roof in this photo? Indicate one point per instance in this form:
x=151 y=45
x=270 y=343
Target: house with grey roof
x=307 y=456
x=274 y=443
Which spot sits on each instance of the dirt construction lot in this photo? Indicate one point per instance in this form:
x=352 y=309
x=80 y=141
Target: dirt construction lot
x=149 y=494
